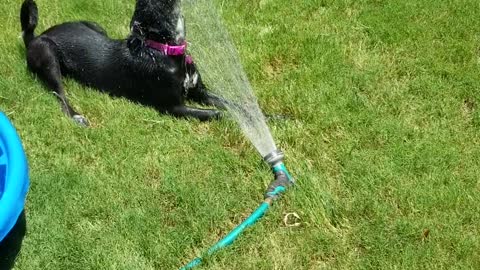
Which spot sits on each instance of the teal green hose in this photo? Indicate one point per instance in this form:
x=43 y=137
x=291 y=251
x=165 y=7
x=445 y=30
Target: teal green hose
x=282 y=180
x=227 y=240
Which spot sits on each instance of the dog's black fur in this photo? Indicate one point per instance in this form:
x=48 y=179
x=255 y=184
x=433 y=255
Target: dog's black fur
x=126 y=68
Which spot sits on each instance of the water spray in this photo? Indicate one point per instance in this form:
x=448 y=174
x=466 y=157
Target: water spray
x=219 y=63
x=282 y=180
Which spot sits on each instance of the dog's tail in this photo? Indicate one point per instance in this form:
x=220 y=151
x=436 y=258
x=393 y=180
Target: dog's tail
x=29 y=20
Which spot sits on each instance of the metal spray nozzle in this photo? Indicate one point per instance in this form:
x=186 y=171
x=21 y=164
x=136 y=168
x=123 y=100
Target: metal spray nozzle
x=274 y=158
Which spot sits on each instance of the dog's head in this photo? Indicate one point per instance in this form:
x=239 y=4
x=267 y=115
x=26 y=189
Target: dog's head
x=158 y=20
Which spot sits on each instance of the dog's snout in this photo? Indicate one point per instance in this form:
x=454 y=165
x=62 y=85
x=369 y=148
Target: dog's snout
x=180 y=30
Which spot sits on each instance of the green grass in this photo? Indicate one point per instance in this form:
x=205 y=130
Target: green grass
x=384 y=140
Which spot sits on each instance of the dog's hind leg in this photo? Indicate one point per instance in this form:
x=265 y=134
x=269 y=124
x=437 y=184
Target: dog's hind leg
x=43 y=61
x=200 y=114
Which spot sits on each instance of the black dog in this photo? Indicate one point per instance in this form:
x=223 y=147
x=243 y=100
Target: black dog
x=149 y=67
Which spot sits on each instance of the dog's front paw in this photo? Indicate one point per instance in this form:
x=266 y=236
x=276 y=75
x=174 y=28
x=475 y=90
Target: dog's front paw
x=217 y=115
x=81 y=120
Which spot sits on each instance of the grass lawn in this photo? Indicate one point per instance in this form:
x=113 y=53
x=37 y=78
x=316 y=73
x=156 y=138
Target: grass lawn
x=383 y=139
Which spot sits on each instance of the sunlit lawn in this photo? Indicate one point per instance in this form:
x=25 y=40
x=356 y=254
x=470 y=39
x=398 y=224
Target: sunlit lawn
x=382 y=136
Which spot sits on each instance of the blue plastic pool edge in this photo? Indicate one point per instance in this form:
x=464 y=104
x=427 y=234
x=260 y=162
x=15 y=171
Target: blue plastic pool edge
x=12 y=201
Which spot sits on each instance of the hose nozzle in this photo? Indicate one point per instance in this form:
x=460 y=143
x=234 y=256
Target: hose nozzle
x=274 y=158
x=283 y=179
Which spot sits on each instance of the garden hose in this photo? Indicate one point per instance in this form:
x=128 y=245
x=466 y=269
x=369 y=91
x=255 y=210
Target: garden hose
x=282 y=181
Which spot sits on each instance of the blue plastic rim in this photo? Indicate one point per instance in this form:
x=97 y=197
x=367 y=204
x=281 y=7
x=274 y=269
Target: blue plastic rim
x=14 y=181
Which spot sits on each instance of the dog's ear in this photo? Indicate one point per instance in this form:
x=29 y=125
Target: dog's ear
x=136 y=40
x=135 y=45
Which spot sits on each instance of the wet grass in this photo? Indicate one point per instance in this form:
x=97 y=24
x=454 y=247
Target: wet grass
x=383 y=138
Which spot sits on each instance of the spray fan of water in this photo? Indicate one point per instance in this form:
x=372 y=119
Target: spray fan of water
x=219 y=63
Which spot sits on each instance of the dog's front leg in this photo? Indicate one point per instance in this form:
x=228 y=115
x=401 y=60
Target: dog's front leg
x=200 y=114
x=201 y=95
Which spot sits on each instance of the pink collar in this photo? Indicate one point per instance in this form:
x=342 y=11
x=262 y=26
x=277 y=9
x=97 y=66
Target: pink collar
x=169 y=49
